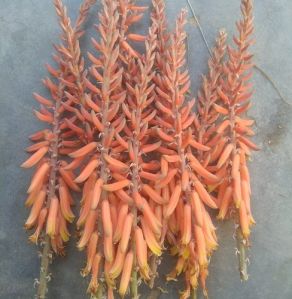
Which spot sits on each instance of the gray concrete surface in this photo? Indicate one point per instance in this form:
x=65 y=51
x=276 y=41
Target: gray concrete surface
x=27 y=30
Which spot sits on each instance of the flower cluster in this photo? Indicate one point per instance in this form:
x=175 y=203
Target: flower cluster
x=149 y=167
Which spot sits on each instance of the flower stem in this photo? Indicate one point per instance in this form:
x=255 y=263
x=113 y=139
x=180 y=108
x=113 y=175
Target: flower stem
x=99 y=293
x=135 y=176
x=241 y=242
x=134 y=285
x=241 y=245
x=153 y=267
x=44 y=270
x=194 y=294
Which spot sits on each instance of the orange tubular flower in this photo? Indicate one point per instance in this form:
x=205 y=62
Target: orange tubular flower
x=51 y=202
x=106 y=166
x=149 y=164
x=139 y=113
x=126 y=275
x=175 y=119
x=235 y=93
x=208 y=109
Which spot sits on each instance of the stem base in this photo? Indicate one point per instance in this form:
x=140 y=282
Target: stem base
x=44 y=269
x=242 y=260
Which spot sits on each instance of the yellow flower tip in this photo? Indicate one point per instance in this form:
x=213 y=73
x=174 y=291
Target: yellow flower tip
x=213 y=247
x=156 y=249
x=246 y=233
x=194 y=281
x=145 y=272
x=252 y=221
x=64 y=235
x=211 y=188
x=174 y=250
x=92 y=287
x=185 y=294
x=180 y=265
x=79 y=247
x=30 y=199
x=122 y=293
x=237 y=203
x=27 y=225
x=50 y=229
x=69 y=218
x=113 y=274
x=109 y=281
x=185 y=252
x=33 y=238
x=84 y=272
x=220 y=216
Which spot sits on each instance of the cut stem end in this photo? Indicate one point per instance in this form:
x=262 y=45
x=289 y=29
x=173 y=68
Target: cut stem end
x=242 y=259
x=44 y=270
x=134 y=285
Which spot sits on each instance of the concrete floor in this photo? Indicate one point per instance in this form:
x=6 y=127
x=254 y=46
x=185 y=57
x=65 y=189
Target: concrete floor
x=27 y=30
